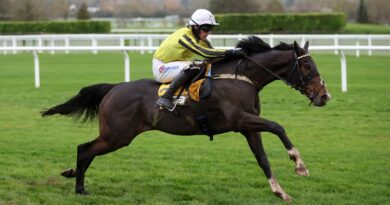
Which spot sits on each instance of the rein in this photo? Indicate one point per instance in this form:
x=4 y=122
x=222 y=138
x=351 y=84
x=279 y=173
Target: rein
x=246 y=79
x=300 y=86
x=303 y=79
x=277 y=76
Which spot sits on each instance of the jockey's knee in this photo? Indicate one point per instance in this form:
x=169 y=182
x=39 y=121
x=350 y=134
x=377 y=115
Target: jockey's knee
x=196 y=64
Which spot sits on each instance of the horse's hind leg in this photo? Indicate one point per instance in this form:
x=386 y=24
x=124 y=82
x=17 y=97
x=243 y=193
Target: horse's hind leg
x=70 y=173
x=86 y=153
x=256 y=145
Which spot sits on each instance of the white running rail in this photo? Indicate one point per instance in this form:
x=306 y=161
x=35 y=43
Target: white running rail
x=337 y=44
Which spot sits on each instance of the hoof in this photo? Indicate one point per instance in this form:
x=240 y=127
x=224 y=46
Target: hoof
x=68 y=173
x=82 y=192
x=284 y=196
x=302 y=171
x=278 y=191
x=287 y=199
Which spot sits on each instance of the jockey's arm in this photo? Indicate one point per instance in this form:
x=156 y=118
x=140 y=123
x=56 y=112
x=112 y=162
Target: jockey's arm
x=203 y=49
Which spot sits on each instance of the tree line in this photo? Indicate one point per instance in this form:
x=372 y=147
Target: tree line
x=32 y=10
x=364 y=11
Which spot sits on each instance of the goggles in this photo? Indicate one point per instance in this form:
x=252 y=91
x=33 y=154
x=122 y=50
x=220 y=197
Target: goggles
x=206 y=28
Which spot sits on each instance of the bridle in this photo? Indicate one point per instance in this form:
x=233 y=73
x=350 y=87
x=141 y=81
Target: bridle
x=303 y=81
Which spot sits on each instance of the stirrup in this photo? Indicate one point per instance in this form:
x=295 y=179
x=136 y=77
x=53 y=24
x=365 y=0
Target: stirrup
x=162 y=105
x=170 y=110
x=174 y=106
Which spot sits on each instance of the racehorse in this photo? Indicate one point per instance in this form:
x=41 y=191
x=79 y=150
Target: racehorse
x=125 y=110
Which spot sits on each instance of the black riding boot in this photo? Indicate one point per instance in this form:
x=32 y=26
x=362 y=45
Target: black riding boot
x=166 y=100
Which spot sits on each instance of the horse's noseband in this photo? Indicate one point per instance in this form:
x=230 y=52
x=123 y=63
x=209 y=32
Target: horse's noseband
x=301 y=85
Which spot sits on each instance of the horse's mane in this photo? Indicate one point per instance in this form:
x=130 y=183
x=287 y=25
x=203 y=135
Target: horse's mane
x=254 y=44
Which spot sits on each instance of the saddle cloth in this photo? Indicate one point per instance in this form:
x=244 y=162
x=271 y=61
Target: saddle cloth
x=193 y=92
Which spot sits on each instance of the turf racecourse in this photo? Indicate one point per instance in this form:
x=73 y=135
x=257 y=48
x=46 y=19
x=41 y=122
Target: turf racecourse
x=346 y=145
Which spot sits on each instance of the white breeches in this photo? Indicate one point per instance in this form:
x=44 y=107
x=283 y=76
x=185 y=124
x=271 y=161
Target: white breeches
x=166 y=72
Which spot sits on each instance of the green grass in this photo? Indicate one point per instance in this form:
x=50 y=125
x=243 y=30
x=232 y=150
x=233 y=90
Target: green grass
x=356 y=28
x=346 y=145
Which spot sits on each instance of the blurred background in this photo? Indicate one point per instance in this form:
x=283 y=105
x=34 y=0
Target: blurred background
x=130 y=13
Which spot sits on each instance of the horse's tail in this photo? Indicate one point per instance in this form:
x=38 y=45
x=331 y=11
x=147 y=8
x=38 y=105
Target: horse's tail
x=86 y=103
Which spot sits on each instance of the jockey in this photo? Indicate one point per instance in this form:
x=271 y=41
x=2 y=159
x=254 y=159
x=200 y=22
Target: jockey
x=172 y=61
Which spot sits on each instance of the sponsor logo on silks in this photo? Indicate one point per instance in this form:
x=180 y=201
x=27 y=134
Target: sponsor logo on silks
x=163 y=68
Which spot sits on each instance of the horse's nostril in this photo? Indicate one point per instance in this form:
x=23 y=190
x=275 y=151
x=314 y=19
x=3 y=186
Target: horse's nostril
x=325 y=97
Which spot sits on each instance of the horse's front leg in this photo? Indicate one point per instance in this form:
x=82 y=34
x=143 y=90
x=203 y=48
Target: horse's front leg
x=255 y=123
x=256 y=145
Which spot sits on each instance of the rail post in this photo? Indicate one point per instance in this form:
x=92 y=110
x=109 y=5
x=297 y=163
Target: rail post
x=94 y=45
x=127 y=66
x=343 y=72
x=52 y=44
x=5 y=45
x=14 y=44
x=336 y=43
x=36 y=70
x=67 y=44
x=150 y=43
x=357 y=48
x=369 y=44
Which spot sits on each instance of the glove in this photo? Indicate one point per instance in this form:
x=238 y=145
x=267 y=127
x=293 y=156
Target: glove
x=235 y=52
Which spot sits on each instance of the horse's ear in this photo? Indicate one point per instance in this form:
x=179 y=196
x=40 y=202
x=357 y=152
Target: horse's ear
x=296 y=47
x=306 y=47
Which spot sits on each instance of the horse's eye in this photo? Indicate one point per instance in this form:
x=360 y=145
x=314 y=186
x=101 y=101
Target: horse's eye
x=307 y=66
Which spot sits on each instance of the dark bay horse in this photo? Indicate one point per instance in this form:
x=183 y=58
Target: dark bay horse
x=127 y=109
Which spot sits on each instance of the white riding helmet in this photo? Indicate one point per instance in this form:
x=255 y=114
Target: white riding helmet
x=201 y=17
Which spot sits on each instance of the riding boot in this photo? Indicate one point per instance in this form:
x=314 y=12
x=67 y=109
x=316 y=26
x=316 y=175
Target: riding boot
x=166 y=100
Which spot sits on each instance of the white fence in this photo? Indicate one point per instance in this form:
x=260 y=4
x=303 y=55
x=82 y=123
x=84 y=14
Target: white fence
x=154 y=40
x=338 y=44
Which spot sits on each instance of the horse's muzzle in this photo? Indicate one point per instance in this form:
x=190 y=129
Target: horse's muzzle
x=321 y=100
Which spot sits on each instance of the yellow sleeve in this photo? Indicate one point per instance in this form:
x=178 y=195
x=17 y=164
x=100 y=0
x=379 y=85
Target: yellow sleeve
x=192 y=45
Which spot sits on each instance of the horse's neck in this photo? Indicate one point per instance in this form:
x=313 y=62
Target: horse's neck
x=277 y=61
x=227 y=67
